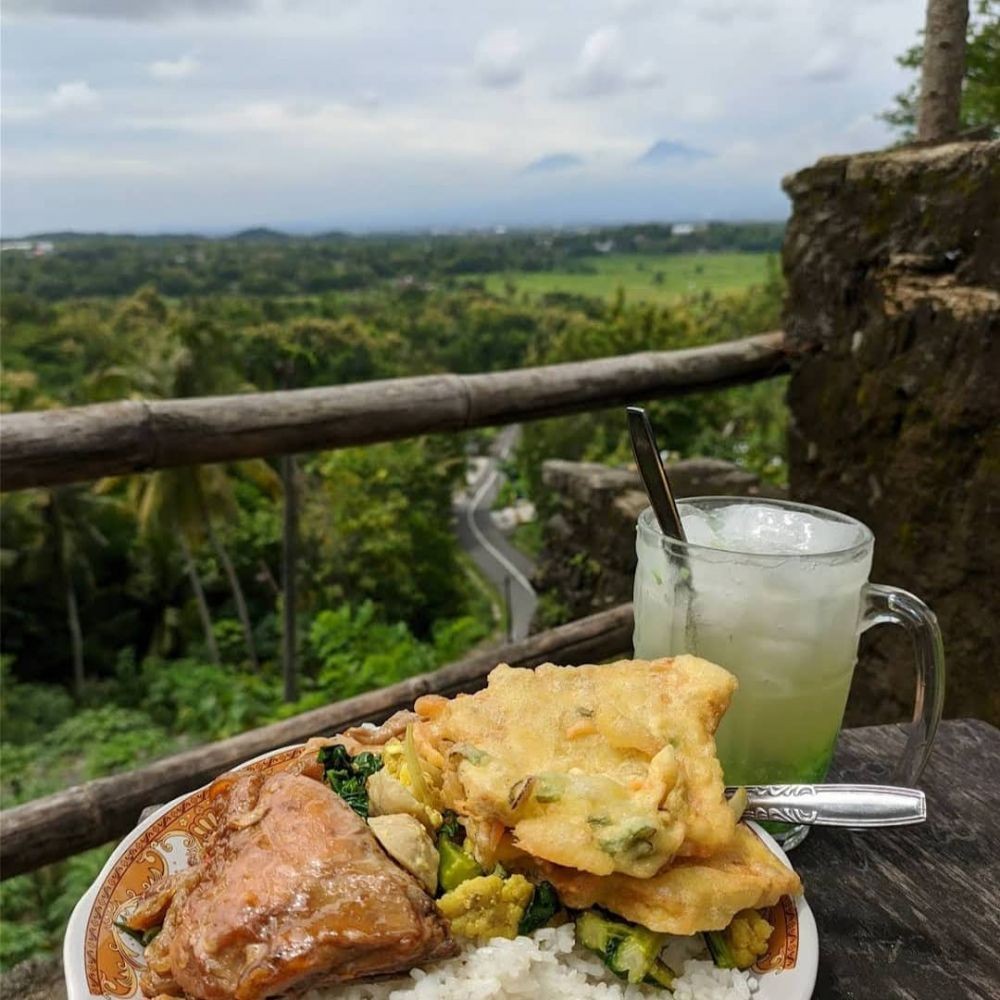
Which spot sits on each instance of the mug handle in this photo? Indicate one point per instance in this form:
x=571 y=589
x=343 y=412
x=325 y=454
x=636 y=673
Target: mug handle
x=892 y=606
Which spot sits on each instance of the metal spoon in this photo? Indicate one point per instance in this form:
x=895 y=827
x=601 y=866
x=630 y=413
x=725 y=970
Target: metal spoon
x=834 y=805
x=654 y=476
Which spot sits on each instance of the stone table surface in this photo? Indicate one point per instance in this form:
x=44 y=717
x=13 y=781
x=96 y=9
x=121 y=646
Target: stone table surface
x=912 y=912
x=909 y=912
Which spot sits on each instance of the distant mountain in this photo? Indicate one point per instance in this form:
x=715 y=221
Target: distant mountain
x=668 y=151
x=259 y=234
x=552 y=162
x=74 y=236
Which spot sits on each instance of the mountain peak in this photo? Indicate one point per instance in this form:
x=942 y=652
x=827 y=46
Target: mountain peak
x=667 y=150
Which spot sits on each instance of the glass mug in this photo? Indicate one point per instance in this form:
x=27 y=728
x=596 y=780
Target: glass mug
x=783 y=612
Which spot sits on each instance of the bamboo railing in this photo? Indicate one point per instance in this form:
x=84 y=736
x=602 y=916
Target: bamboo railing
x=48 y=447
x=63 y=824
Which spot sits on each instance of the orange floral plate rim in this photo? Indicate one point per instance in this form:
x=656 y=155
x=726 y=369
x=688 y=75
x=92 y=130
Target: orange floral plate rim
x=101 y=963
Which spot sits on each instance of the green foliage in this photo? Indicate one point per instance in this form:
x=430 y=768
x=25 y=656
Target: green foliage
x=28 y=711
x=37 y=907
x=87 y=744
x=980 y=88
x=384 y=591
x=382 y=529
x=205 y=701
x=746 y=424
x=355 y=652
x=646 y=278
x=275 y=268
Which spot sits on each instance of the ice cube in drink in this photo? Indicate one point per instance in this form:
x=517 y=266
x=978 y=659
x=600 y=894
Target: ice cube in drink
x=772 y=592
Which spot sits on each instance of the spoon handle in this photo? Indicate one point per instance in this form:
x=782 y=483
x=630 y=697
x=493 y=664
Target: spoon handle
x=836 y=805
x=654 y=476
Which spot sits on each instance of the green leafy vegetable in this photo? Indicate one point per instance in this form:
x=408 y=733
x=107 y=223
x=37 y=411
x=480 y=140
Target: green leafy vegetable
x=347 y=775
x=543 y=907
x=451 y=828
x=143 y=937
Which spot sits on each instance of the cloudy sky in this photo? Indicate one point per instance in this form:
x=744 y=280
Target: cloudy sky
x=207 y=115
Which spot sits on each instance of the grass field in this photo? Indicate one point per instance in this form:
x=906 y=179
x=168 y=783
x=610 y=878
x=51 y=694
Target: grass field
x=645 y=277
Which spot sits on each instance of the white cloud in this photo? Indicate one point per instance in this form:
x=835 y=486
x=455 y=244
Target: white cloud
x=832 y=60
x=75 y=96
x=127 y=10
x=173 y=69
x=386 y=113
x=602 y=68
x=700 y=108
x=727 y=11
x=499 y=58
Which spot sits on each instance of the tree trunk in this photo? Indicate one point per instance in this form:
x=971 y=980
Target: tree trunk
x=289 y=546
x=199 y=596
x=75 y=635
x=72 y=606
x=943 y=69
x=234 y=585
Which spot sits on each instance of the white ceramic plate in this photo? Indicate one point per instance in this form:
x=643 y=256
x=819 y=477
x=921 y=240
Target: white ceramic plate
x=101 y=963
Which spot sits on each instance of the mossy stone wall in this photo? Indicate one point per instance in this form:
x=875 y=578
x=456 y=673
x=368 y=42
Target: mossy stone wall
x=893 y=267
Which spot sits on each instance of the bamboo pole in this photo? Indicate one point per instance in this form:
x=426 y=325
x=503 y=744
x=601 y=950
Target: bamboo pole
x=87 y=815
x=86 y=442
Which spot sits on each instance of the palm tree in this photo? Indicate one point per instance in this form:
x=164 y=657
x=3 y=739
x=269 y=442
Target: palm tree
x=189 y=360
x=64 y=536
x=65 y=529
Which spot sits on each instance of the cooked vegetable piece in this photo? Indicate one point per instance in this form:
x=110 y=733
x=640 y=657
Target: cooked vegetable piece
x=143 y=937
x=347 y=775
x=741 y=943
x=450 y=826
x=413 y=766
x=387 y=796
x=719 y=949
x=405 y=840
x=543 y=907
x=550 y=787
x=628 y=950
x=455 y=866
x=660 y=975
x=635 y=839
x=592 y=931
x=486 y=907
x=635 y=954
x=738 y=803
x=470 y=753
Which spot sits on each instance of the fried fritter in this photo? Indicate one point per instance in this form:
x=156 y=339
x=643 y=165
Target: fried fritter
x=599 y=768
x=690 y=895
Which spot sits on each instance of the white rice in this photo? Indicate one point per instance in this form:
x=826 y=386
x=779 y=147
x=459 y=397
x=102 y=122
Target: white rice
x=547 y=964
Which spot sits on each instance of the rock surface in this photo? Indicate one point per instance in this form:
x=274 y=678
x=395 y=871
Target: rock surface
x=35 y=979
x=893 y=268
x=588 y=556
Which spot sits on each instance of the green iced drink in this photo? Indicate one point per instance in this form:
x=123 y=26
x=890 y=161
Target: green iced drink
x=773 y=592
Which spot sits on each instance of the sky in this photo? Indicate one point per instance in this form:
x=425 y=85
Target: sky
x=215 y=115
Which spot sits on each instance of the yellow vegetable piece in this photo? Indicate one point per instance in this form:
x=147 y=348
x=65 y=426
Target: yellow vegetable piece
x=748 y=935
x=486 y=907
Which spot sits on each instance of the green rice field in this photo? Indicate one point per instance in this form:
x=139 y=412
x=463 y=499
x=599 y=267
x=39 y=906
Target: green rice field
x=644 y=277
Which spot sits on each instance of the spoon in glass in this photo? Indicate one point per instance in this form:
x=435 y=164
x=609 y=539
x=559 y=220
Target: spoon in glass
x=654 y=475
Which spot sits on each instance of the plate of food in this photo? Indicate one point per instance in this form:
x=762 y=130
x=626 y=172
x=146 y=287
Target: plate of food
x=564 y=833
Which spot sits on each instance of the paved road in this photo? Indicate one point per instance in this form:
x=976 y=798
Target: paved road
x=486 y=544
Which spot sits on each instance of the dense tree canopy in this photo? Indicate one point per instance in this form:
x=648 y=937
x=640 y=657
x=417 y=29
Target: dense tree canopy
x=144 y=613
x=981 y=88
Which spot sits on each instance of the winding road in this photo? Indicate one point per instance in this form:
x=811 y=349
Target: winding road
x=486 y=544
